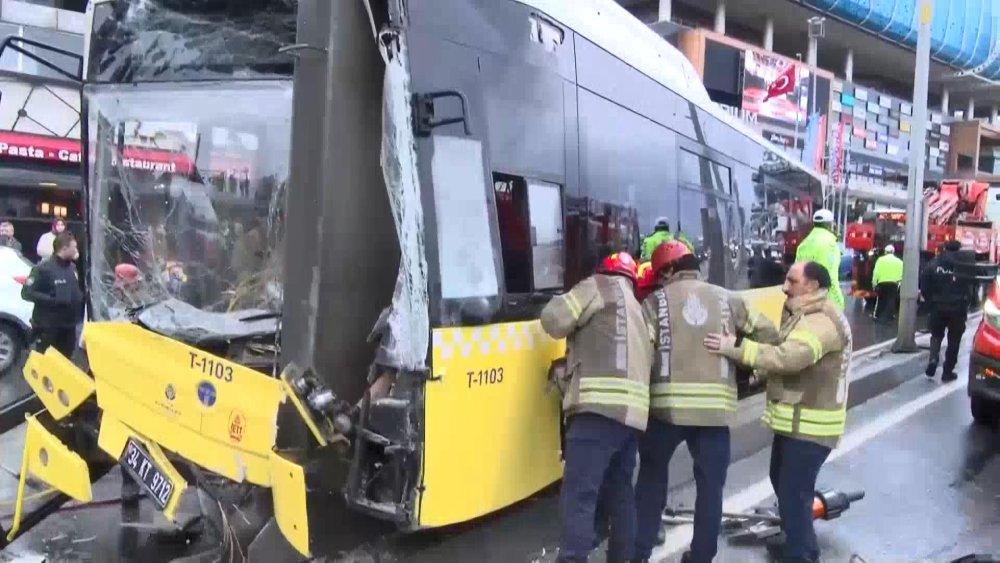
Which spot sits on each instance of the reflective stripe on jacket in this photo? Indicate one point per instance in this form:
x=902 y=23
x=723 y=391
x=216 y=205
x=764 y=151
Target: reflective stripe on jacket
x=609 y=347
x=821 y=246
x=806 y=371
x=689 y=385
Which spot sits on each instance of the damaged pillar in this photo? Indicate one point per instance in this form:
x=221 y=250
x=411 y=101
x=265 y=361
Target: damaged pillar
x=342 y=252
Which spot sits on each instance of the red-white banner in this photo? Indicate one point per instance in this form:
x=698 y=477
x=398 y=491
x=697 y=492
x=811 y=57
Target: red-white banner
x=38 y=147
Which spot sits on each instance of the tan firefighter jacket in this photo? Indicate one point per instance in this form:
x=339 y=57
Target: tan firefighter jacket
x=807 y=371
x=689 y=385
x=609 y=348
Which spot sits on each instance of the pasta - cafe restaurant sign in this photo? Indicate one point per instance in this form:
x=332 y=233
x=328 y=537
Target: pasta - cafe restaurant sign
x=38 y=147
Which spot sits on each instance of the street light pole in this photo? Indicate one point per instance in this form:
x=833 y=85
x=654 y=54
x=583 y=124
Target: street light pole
x=905 y=338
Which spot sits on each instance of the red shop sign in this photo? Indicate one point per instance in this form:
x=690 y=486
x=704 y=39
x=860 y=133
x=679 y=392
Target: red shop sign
x=38 y=147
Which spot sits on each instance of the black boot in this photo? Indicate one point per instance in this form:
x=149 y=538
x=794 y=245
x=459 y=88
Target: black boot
x=931 y=369
x=948 y=375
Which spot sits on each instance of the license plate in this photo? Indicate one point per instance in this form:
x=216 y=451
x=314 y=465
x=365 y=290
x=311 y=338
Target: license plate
x=142 y=468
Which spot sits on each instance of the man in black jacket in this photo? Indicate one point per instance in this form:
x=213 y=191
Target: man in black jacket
x=54 y=288
x=947 y=291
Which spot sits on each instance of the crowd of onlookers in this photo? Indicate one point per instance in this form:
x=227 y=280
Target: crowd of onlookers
x=43 y=247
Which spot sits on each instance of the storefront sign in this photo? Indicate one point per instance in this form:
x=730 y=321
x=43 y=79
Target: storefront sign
x=38 y=147
x=158 y=161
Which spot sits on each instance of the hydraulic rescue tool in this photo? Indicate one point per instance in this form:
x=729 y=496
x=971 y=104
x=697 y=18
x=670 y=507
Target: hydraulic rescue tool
x=763 y=522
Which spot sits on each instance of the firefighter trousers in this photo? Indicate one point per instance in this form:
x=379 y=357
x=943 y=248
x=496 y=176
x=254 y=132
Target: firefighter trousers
x=600 y=459
x=795 y=464
x=709 y=447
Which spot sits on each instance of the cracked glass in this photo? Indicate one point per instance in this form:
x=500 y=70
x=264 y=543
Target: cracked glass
x=164 y=40
x=187 y=187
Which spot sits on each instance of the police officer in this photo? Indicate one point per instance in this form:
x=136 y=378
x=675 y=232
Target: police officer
x=886 y=276
x=660 y=235
x=947 y=293
x=609 y=349
x=54 y=288
x=806 y=397
x=692 y=395
x=821 y=246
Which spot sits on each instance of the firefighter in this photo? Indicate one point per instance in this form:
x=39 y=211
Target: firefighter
x=821 y=246
x=806 y=397
x=692 y=396
x=647 y=281
x=606 y=402
x=54 y=288
x=660 y=235
x=886 y=276
x=947 y=295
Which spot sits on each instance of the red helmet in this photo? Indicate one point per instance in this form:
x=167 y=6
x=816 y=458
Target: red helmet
x=620 y=263
x=126 y=273
x=647 y=281
x=668 y=253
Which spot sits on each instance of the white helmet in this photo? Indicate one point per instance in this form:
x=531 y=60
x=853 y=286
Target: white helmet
x=823 y=216
x=890 y=249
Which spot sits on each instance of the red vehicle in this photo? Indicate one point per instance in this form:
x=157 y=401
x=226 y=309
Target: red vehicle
x=984 y=365
x=954 y=209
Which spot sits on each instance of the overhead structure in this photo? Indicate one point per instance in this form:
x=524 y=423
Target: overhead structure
x=965 y=33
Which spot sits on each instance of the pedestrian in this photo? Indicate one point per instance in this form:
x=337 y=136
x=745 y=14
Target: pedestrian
x=54 y=288
x=806 y=397
x=946 y=291
x=7 y=236
x=821 y=246
x=886 y=277
x=692 y=395
x=44 y=246
x=606 y=403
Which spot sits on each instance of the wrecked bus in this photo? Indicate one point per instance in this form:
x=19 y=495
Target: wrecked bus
x=347 y=218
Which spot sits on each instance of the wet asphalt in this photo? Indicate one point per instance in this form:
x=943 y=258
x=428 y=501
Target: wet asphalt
x=932 y=483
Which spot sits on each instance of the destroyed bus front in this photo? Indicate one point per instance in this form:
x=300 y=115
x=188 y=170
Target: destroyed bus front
x=358 y=261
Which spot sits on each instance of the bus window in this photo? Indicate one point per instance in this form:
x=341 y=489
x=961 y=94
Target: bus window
x=530 y=217
x=695 y=170
x=701 y=226
x=466 y=263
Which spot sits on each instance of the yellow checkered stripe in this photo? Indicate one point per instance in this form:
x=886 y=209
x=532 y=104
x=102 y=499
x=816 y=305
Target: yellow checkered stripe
x=490 y=340
x=614 y=391
x=822 y=423
x=699 y=396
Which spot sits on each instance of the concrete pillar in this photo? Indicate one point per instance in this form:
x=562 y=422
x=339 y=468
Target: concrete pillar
x=665 y=10
x=811 y=53
x=994 y=115
x=849 y=66
x=970 y=112
x=769 y=34
x=720 y=17
x=945 y=101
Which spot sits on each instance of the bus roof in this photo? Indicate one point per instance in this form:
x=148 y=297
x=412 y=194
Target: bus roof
x=612 y=28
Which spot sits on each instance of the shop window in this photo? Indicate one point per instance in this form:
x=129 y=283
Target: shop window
x=530 y=217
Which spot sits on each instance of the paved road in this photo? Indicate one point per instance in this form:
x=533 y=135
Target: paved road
x=932 y=480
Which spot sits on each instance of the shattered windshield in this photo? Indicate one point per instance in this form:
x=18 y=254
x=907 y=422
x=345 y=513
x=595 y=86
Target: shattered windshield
x=187 y=190
x=149 y=40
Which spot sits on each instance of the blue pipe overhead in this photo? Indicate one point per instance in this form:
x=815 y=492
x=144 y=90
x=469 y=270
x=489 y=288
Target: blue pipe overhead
x=963 y=34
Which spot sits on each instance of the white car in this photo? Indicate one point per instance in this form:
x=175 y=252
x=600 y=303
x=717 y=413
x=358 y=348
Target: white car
x=15 y=313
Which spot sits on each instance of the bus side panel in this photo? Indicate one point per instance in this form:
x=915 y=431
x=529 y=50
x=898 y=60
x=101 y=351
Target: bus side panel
x=766 y=300
x=491 y=435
